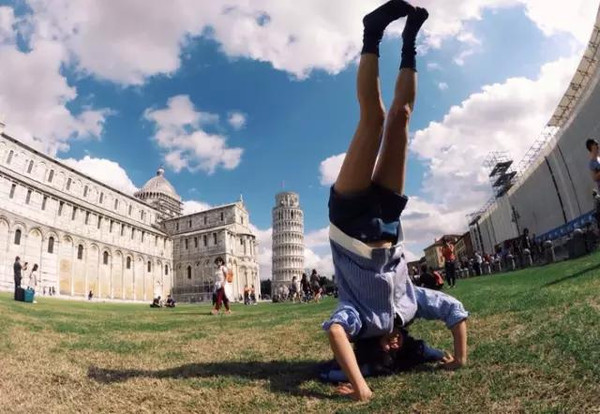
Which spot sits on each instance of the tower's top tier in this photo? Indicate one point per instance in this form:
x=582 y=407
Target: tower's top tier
x=287 y=199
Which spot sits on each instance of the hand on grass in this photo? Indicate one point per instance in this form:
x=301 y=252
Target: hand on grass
x=348 y=390
x=450 y=363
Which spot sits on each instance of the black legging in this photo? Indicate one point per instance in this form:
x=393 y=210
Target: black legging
x=17 y=285
x=451 y=273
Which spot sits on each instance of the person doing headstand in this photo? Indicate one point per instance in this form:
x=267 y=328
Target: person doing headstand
x=376 y=296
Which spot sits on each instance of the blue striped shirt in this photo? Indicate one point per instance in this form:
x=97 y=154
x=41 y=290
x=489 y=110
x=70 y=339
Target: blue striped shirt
x=374 y=288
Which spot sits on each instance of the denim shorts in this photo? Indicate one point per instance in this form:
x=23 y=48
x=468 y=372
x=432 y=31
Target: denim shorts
x=369 y=216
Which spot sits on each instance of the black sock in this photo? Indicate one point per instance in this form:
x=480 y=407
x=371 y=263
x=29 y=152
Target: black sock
x=376 y=22
x=409 y=38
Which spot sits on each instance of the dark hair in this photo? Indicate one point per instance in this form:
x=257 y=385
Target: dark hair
x=314 y=271
x=219 y=260
x=35 y=267
x=590 y=143
x=369 y=351
x=17 y=258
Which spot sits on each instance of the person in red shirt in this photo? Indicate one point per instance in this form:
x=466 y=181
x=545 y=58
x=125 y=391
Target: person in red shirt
x=449 y=262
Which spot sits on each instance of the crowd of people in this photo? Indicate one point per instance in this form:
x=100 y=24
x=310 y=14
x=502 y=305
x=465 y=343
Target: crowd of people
x=304 y=290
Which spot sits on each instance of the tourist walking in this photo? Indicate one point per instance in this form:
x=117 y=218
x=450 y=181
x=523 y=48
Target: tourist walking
x=220 y=280
x=305 y=287
x=449 y=262
x=315 y=284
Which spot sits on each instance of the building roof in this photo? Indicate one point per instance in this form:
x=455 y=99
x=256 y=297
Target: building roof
x=440 y=241
x=159 y=184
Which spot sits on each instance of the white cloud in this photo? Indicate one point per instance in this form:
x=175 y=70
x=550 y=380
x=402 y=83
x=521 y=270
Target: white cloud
x=180 y=135
x=443 y=86
x=462 y=56
x=106 y=171
x=330 y=168
x=34 y=97
x=265 y=251
x=132 y=40
x=237 y=120
x=318 y=238
x=7 y=20
x=322 y=263
x=433 y=66
x=193 y=206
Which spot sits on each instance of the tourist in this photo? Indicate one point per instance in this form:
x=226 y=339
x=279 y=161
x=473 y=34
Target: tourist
x=305 y=287
x=17 y=271
x=364 y=209
x=449 y=262
x=246 y=295
x=430 y=279
x=90 y=295
x=295 y=290
x=34 y=280
x=220 y=280
x=253 y=295
x=478 y=263
x=156 y=303
x=315 y=285
x=594 y=167
x=170 y=302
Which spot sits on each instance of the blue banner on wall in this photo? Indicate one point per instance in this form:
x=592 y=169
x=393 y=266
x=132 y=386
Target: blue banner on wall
x=568 y=228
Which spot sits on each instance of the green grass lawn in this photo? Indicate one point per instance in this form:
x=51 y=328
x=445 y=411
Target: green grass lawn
x=534 y=341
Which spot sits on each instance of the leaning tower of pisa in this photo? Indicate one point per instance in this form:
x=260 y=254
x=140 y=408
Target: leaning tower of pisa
x=288 y=240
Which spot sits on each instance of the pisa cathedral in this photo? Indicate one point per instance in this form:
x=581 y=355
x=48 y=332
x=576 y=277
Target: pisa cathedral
x=87 y=236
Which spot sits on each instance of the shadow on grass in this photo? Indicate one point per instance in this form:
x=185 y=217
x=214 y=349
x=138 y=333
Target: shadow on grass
x=573 y=276
x=283 y=376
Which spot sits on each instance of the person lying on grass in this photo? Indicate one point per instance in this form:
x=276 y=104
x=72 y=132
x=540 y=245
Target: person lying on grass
x=365 y=205
x=386 y=355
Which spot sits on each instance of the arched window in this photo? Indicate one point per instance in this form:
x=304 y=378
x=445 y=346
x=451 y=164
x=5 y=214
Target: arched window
x=85 y=191
x=189 y=272
x=50 y=176
x=105 y=258
x=149 y=266
x=69 y=181
x=51 y=245
x=80 y=252
x=10 y=156
x=128 y=263
x=17 y=237
x=30 y=167
x=166 y=270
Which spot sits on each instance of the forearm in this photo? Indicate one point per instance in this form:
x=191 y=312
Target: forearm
x=344 y=355
x=459 y=332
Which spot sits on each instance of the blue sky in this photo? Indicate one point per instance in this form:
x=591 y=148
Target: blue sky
x=296 y=108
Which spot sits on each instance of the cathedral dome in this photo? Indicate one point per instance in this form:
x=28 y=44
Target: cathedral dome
x=159 y=184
